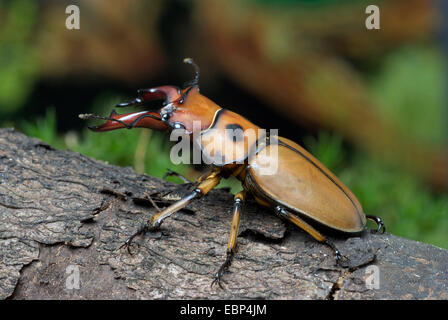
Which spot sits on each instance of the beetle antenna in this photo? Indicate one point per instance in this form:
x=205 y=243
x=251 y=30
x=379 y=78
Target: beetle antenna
x=195 y=81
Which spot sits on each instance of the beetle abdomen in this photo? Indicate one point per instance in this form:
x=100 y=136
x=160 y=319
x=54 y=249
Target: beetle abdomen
x=302 y=184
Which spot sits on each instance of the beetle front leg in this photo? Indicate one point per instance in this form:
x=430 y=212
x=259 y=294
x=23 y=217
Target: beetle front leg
x=231 y=245
x=310 y=230
x=207 y=184
x=171 y=173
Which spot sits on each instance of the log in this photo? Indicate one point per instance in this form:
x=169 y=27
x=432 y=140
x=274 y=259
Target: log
x=64 y=216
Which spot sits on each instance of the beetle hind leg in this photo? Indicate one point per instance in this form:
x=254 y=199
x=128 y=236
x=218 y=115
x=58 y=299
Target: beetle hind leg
x=379 y=223
x=231 y=245
x=280 y=211
x=338 y=255
x=224 y=267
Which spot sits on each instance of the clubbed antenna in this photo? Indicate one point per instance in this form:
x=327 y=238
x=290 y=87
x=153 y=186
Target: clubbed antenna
x=195 y=81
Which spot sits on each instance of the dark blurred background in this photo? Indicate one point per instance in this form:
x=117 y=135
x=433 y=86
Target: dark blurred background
x=370 y=104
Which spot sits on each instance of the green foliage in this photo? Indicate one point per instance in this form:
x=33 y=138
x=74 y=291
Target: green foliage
x=44 y=128
x=18 y=62
x=329 y=148
x=408 y=208
x=410 y=90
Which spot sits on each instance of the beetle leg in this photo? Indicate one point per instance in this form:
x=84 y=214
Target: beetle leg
x=156 y=220
x=171 y=173
x=339 y=256
x=231 y=245
x=127 y=243
x=379 y=222
x=280 y=211
x=196 y=183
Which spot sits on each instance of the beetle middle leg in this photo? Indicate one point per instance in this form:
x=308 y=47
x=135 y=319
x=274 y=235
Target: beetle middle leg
x=282 y=212
x=231 y=245
x=207 y=184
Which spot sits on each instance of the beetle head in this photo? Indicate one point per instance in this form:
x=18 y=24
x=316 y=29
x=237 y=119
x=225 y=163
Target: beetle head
x=181 y=107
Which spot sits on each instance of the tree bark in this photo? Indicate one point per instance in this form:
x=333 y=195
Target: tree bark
x=63 y=218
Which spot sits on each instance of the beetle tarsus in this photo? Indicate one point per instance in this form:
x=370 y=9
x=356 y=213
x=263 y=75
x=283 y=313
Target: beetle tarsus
x=145 y=227
x=379 y=222
x=217 y=280
x=337 y=254
x=224 y=267
x=171 y=173
x=128 y=242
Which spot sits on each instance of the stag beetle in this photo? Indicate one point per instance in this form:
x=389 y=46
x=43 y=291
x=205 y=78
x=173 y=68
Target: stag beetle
x=302 y=190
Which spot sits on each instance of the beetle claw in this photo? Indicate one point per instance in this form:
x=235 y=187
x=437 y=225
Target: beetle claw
x=217 y=280
x=127 y=245
x=128 y=242
x=340 y=258
x=224 y=267
x=381 y=227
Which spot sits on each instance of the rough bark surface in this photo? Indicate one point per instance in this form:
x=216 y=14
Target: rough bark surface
x=61 y=212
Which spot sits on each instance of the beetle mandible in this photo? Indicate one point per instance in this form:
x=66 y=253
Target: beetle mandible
x=326 y=202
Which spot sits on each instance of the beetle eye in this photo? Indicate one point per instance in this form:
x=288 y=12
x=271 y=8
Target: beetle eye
x=178 y=125
x=165 y=117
